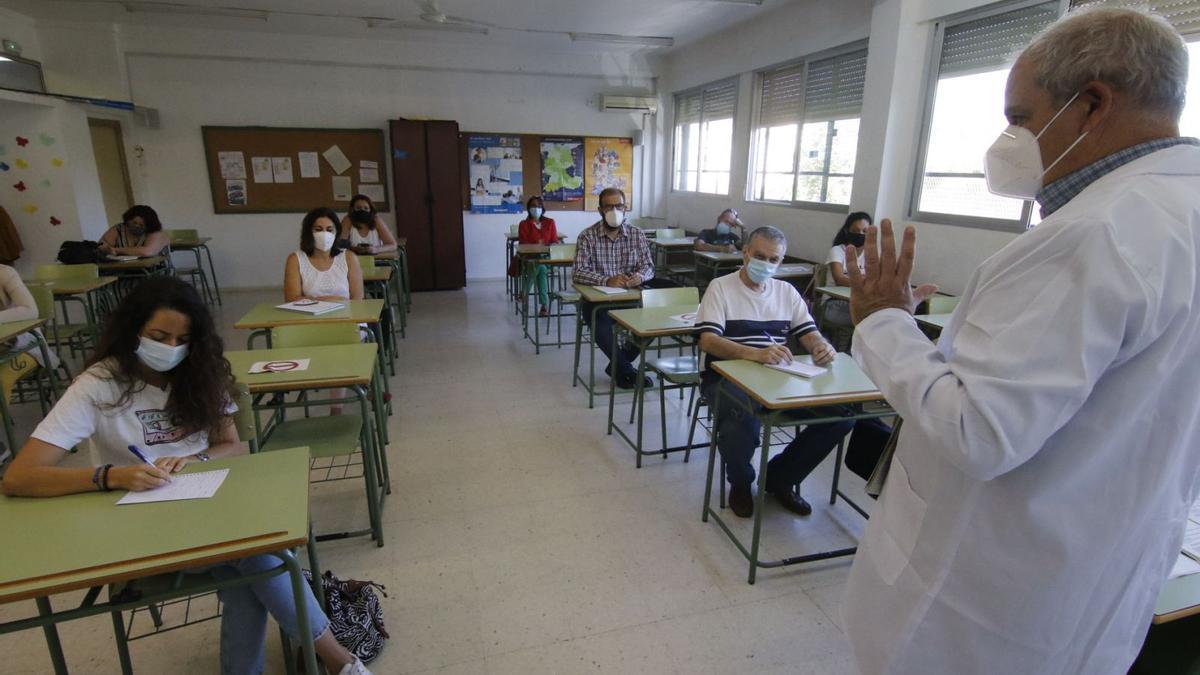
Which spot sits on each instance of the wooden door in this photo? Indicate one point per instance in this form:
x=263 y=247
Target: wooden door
x=109 y=150
x=410 y=186
x=445 y=189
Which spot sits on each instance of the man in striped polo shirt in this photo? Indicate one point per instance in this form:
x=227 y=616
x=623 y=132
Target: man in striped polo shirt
x=750 y=315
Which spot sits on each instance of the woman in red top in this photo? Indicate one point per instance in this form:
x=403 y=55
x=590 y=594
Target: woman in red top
x=537 y=229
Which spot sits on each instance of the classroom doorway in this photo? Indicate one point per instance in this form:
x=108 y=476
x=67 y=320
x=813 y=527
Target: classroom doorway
x=109 y=148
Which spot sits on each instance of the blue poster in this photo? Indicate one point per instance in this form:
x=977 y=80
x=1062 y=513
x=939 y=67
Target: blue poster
x=495 y=174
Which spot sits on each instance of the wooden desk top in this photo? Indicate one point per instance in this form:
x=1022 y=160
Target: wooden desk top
x=331 y=366
x=590 y=294
x=188 y=244
x=267 y=315
x=84 y=540
x=73 y=286
x=12 y=329
x=377 y=273
x=678 y=242
x=843 y=382
x=836 y=292
x=656 y=321
x=717 y=256
x=1178 y=598
x=792 y=270
x=139 y=264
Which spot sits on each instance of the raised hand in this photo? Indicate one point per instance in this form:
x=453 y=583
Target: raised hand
x=886 y=282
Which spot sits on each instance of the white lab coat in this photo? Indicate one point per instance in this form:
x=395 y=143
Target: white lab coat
x=1051 y=443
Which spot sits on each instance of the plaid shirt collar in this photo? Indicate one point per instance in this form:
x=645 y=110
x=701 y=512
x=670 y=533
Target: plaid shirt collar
x=1056 y=195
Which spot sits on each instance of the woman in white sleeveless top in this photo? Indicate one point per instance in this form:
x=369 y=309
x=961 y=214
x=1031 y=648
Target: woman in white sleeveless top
x=319 y=271
x=365 y=230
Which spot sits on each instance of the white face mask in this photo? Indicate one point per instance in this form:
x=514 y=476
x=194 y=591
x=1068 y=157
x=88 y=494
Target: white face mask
x=614 y=218
x=159 y=357
x=1013 y=165
x=323 y=240
x=535 y=213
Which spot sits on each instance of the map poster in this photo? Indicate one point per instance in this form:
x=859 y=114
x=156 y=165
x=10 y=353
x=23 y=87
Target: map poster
x=562 y=169
x=609 y=163
x=495 y=175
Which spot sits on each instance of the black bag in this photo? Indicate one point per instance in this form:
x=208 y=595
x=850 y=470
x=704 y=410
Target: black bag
x=867 y=443
x=79 y=252
x=355 y=615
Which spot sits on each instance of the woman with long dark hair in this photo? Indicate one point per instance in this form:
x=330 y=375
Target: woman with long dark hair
x=365 y=230
x=319 y=271
x=852 y=232
x=159 y=381
x=140 y=233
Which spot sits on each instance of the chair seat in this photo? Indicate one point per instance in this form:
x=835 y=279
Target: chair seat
x=681 y=269
x=326 y=436
x=567 y=296
x=677 y=369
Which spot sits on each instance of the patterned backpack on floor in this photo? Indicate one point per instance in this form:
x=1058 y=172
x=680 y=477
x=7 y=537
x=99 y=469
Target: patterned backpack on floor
x=355 y=615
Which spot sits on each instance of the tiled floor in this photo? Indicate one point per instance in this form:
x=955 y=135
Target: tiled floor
x=520 y=537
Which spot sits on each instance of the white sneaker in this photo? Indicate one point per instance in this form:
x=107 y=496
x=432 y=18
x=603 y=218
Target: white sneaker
x=356 y=668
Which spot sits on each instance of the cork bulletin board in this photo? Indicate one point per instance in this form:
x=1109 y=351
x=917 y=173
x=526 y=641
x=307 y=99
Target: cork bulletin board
x=292 y=170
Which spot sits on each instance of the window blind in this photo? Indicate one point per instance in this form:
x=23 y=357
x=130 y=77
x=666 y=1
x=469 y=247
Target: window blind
x=1183 y=14
x=782 y=100
x=720 y=101
x=991 y=43
x=687 y=108
x=834 y=89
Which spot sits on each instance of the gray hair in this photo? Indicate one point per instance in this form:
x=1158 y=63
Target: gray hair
x=1134 y=51
x=772 y=234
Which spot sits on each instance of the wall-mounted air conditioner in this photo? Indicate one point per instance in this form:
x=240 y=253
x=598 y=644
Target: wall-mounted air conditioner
x=628 y=104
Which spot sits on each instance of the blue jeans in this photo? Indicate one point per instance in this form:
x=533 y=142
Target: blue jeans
x=602 y=333
x=739 y=434
x=244 y=617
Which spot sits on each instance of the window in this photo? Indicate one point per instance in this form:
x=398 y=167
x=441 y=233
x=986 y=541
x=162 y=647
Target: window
x=806 y=136
x=703 y=147
x=23 y=74
x=965 y=113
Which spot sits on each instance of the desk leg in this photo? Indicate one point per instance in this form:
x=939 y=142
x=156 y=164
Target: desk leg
x=370 y=470
x=212 y=272
x=639 y=396
x=592 y=359
x=303 y=623
x=53 y=645
x=612 y=381
x=92 y=318
x=45 y=350
x=759 y=497
x=712 y=454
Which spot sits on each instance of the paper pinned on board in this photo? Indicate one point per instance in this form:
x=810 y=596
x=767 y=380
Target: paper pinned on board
x=233 y=165
x=367 y=164
x=337 y=159
x=310 y=165
x=282 y=168
x=368 y=175
x=341 y=189
x=262 y=170
x=374 y=192
x=200 y=485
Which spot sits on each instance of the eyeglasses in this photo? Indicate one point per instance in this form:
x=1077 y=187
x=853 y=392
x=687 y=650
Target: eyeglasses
x=605 y=208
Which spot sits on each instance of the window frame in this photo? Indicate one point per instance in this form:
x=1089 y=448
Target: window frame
x=29 y=62
x=928 y=91
x=735 y=82
x=759 y=75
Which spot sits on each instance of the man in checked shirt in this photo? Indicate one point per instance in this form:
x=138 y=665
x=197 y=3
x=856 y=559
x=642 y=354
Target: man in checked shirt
x=613 y=253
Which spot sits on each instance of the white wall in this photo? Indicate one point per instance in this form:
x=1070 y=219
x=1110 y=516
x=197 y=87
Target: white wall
x=21 y=28
x=900 y=33
x=206 y=77
x=56 y=168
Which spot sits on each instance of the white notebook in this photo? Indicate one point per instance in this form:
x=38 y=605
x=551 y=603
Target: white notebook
x=798 y=368
x=611 y=290
x=199 y=485
x=313 y=307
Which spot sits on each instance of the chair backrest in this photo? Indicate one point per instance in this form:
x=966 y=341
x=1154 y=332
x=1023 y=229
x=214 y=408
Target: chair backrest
x=243 y=419
x=14 y=370
x=314 y=335
x=669 y=233
x=666 y=297
x=54 y=272
x=562 y=251
x=514 y=230
x=942 y=304
x=366 y=262
x=182 y=235
x=43 y=295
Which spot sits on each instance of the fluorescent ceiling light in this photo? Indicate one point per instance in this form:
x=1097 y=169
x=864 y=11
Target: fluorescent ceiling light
x=622 y=39
x=5 y=58
x=755 y=3
x=425 y=25
x=172 y=8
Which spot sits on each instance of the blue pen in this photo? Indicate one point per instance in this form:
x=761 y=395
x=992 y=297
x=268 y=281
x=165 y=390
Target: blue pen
x=138 y=453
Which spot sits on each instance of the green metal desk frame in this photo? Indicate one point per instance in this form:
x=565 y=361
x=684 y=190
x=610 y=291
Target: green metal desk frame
x=599 y=301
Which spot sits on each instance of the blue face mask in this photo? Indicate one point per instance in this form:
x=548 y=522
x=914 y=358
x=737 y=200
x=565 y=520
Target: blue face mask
x=722 y=228
x=760 y=271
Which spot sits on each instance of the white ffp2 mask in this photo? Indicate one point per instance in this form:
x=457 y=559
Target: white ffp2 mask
x=614 y=218
x=1013 y=164
x=323 y=240
x=157 y=356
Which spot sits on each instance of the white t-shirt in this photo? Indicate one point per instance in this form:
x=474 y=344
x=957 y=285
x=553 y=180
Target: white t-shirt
x=733 y=311
x=837 y=254
x=84 y=416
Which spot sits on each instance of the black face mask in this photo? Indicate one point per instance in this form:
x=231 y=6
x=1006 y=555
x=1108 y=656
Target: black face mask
x=856 y=239
x=361 y=217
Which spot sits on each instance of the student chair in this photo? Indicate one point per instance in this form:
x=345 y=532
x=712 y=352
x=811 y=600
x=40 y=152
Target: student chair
x=514 y=229
x=941 y=304
x=43 y=296
x=104 y=301
x=674 y=372
x=333 y=441
x=192 y=273
x=560 y=295
x=840 y=335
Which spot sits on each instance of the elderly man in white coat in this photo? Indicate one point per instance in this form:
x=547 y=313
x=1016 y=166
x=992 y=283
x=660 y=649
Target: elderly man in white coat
x=1051 y=442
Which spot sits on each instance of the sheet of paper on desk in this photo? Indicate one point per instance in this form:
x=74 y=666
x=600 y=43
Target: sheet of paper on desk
x=1194 y=512
x=201 y=485
x=1191 y=540
x=1183 y=567
x=798 y=368
x=122 y=258
x=687 y=317
x=609 y=290
x=281 y=366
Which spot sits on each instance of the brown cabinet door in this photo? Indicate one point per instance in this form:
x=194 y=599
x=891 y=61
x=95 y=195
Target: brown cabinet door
x=445 y=189
x=410 y=179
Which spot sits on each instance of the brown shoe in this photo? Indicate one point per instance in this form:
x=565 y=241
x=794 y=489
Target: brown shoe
x=792 y=502
x=741 y=501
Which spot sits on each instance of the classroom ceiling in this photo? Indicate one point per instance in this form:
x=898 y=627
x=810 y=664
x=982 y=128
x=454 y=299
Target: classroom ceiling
x=536 y=22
